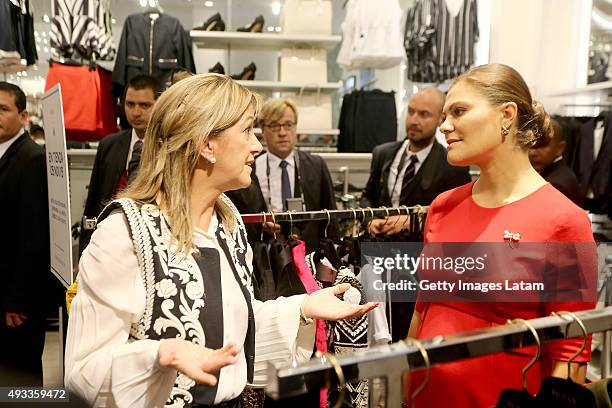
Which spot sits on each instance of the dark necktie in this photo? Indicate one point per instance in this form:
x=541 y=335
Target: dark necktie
x=408 y=174
x=285 y=185
x=134 y=162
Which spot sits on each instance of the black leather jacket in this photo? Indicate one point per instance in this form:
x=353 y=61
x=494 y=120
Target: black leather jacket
x=151 y=46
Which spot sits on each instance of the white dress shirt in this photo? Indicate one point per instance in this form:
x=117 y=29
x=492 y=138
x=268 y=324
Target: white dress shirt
x=109 y=370
x=4 y=146
x=275 y=199
x=421 y=156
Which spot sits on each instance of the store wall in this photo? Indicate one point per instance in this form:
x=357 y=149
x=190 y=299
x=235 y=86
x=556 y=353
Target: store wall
x=546 y=41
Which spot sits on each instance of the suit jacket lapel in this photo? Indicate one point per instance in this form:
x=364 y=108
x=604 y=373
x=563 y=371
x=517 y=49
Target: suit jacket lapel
x=385 y=199
x=118 y=161
x=6 y=158
x=306 y=182
x=427 y=171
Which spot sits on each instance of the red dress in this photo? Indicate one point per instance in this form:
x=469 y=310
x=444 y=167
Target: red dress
x=546 y=215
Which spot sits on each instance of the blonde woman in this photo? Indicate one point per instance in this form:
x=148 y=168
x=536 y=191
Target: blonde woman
x=165 y=289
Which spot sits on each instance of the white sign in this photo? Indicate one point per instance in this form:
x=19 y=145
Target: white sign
x=57 y=180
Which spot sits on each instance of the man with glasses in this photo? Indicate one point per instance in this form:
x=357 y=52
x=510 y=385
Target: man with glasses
x=285 y=178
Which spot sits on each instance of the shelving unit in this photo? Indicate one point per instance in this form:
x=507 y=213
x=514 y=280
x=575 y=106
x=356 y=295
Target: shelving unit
x=587 y=89
x=273 y=42
x=310 y=131
x=260 y=41
x=276 y=86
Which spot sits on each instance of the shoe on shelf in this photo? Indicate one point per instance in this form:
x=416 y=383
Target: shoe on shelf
x=214 y=23
x=217 y=69
x=255 y=27
x=248 y=73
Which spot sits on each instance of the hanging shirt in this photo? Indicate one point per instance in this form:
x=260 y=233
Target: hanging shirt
x=421 y=155
x=440 y=38
x=272 y=188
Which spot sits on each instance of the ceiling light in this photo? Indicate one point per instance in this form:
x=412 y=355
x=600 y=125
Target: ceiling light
x=113 y=21
x=276 y=8
x=143 y=3
x=151 y=3
x=277 y=29
x=46 y=49
x=44 y=34
x=270 y=28
x=209 y=3
x=46 y=18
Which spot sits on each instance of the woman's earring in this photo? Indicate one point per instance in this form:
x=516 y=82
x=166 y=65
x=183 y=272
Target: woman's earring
x=505 y=130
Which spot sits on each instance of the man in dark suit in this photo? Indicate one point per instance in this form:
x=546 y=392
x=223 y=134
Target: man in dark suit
x=284 y=172
x=411 y=172
x=24 y=245
x=118 y=154
x=547 y=159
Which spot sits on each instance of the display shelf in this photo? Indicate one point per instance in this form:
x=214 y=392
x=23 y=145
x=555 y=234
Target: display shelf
x=309 y=131
x=271 y=41
x=587 y=89
x=277 y=86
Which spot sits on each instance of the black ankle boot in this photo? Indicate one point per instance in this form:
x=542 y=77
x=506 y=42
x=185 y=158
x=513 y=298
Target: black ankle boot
x=217 y=69
x=255 y=27
x=214 y=23
x=248 y=73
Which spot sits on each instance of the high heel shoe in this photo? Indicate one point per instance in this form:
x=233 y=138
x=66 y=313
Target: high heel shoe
x=217 y=69
x=255 y=27
x=214 y=23
x=248 y=73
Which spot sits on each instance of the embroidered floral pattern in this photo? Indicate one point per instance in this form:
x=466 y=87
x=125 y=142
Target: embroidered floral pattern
x=173 y=282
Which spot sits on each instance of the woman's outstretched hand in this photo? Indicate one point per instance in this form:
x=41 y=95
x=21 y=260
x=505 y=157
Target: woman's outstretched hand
x=323 y=304
x=194 y=360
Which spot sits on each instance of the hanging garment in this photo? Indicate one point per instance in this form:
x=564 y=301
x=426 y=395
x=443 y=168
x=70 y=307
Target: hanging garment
x=298 y=252
x=594 y=165
x=264 y=287
x=89 y=107
x=17 y=33
x=82 y=26
x=439 y=39
x=345 y=335
x=367 y=119
x=152 y=44
x=372 y=36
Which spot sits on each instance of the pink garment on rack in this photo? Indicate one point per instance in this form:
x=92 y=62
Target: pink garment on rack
x=298 y=252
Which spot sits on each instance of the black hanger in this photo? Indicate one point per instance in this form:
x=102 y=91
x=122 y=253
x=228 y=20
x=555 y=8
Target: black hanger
x=563 y=392
x=521 y=398
x=327 y=247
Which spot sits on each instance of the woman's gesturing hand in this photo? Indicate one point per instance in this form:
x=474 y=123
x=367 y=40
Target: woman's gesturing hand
x=194 y=360
x=323 y=304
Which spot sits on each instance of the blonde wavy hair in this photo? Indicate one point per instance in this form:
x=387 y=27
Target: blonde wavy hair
x=183 y=118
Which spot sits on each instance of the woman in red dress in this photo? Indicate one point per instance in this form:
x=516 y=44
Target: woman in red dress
x=491 y=121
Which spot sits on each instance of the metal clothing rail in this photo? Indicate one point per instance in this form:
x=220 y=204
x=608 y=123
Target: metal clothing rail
x=360 y=214
x=285 y=379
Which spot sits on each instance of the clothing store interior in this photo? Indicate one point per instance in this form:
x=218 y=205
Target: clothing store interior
x=233 y=203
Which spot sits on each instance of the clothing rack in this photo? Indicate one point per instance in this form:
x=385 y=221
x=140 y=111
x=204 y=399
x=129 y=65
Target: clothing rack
x=360 y=214
x=286 y=379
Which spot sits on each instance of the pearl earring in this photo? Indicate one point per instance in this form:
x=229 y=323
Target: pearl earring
x=505 y=130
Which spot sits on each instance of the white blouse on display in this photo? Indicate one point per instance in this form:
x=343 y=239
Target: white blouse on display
x=107 y=369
